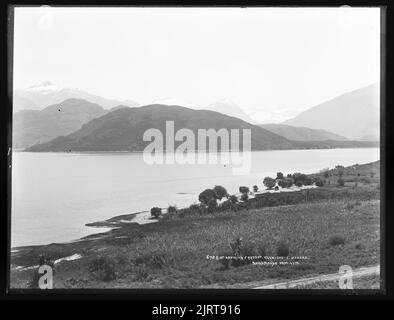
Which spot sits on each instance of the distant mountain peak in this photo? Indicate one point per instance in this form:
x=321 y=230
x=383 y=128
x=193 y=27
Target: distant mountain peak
x=38 y=96
x=43 y=86
x=230 y=108
x=352 y=114
x=171 y=101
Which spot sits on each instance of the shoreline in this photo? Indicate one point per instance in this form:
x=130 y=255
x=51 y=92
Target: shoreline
x=141 y=218
x=144 y=217
x=368 y=145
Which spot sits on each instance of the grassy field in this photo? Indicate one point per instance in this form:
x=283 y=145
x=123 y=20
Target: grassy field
x=314 y=236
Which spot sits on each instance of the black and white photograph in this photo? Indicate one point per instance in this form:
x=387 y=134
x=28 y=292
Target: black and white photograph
x=196 y=148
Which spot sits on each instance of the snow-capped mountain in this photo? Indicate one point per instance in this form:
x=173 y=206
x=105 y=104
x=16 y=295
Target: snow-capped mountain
x=228 y=107
x=168 y=101
x=44 y=87
x=39 y=96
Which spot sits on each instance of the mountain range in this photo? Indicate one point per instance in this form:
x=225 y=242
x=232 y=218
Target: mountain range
x=123 y=129
x=353 y=115
x=37 y=126
x=347 y=113
x=46 y=93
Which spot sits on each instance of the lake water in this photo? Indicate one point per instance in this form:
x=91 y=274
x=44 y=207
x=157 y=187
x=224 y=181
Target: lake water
x=55 y=194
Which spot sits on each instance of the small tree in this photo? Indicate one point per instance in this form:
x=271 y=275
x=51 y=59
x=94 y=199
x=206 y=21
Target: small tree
x=319 y=182
x=172 y=209
x=269 y=182
x=308 y=181
x=282 y=183
x=279 y=176
x=233 y=198
x=206 y=196
x=341 y=182
x=326 y=174
x=155 y=212
x=289 y=182
x=244 y=197
x=221 y=192
x=244 y=189
x=255 y=188
x=286 y=182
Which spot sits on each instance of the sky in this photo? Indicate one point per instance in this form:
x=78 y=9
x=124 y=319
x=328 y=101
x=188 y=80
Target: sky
x=272 y=62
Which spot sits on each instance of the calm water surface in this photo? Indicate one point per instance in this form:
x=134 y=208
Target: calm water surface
x=55 y=194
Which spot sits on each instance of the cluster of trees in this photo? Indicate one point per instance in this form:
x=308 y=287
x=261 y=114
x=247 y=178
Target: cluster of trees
x=298 y=179
x=209 y=197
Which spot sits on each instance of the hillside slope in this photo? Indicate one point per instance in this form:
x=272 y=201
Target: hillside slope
x=123 y=129
x=354 y=114
x=301 y=133
x=33 y=126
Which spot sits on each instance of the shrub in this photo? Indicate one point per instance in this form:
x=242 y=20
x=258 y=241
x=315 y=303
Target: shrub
x=326 y=174
x=221 y=192
x=319 y=182
x=282 y=183
x=243 y=189
x=233 y=198
x=336 y=240
x=244 y=197
x=279 y=176
x=226 y=205
x=299 y=184
x=308 y=181
x=282 y=249
x=301 y=178
x=289 y=181
x=212 y=205
x=155 y=212
x=286 y=182
x=341 y=182
x=195 y=208
x=172 y=209
x=255 y=188
x=206 y=196
x=269 y=182
x=103 y=268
